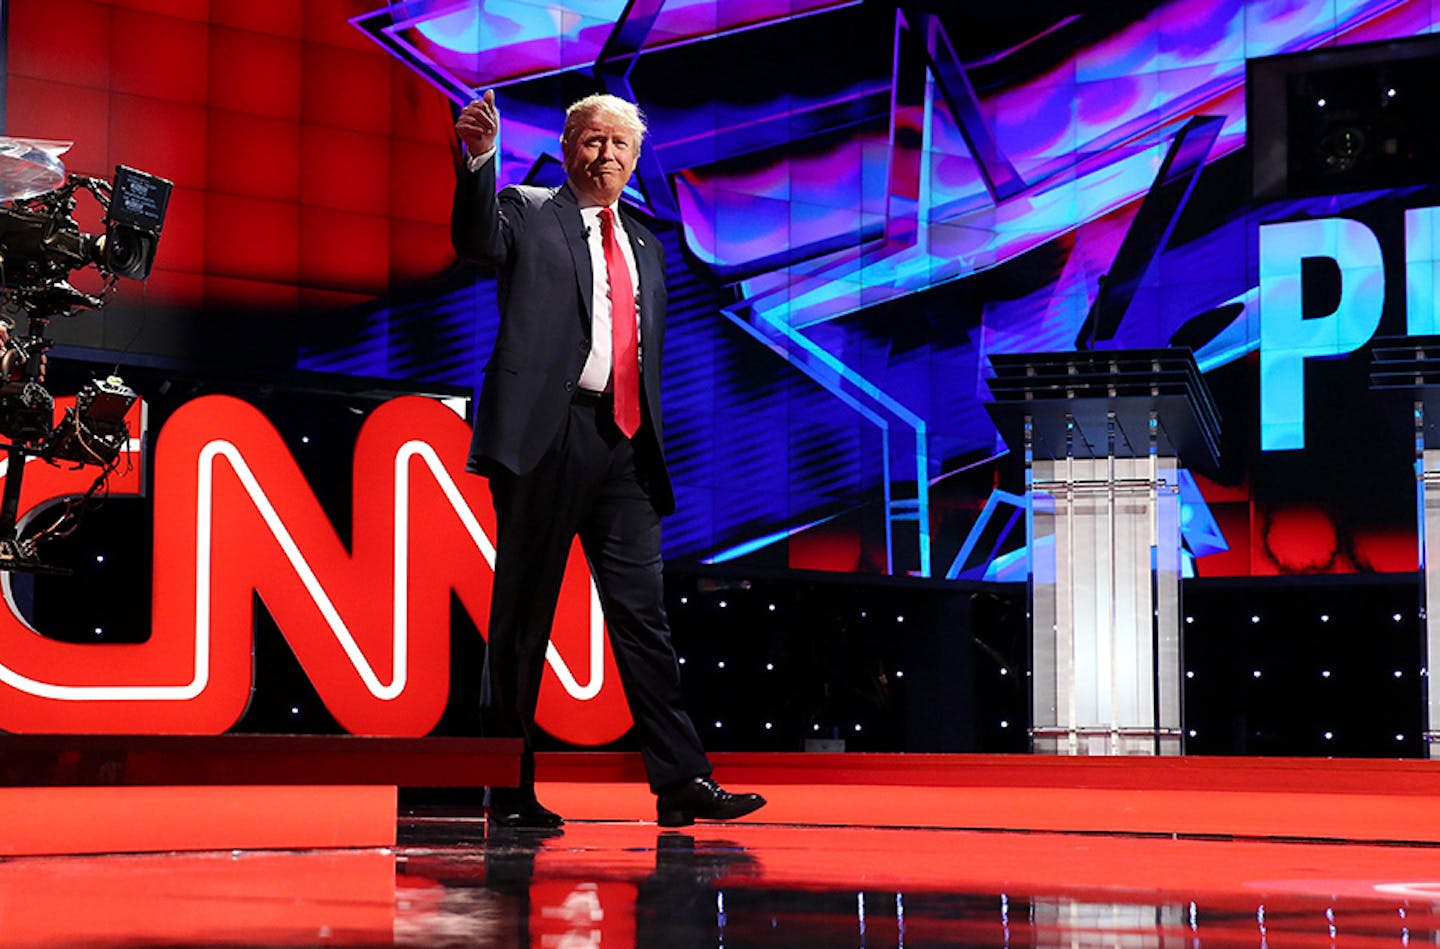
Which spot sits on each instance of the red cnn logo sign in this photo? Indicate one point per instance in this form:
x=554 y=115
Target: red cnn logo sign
x=235 y=517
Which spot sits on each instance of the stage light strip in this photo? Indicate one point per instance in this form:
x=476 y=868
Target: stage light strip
x=759 y=543
x=992 y=504
x=838 y=377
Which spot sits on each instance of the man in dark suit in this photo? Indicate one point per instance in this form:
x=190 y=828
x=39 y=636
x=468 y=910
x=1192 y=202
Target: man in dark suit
x=567 y=429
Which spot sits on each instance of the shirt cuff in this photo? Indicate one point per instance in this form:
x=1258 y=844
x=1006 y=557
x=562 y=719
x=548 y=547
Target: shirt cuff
x=476 y=162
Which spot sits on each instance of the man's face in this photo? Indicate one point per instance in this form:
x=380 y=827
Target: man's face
x=600 y=158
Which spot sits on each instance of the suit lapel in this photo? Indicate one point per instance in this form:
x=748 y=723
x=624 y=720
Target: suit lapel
x=567 y=213
x=647 y=253
x=643 y=245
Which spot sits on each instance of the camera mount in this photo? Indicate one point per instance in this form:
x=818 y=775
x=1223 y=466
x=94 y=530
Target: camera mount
x=40 y=246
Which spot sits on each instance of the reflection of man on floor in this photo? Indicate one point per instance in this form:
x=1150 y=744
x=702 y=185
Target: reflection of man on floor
x=567 y=428
x=675 y=904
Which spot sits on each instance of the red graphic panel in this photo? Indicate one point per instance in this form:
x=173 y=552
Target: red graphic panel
x=261 y=115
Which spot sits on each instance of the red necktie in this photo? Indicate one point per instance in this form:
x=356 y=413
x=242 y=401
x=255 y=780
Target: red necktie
x=625 y=376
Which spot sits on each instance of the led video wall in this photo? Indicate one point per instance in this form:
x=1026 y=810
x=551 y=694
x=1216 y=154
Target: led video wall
x=861 y=202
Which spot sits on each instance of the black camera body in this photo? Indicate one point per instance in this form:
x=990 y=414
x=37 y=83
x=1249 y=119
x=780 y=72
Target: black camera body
x=37 y=247
x=40 y=242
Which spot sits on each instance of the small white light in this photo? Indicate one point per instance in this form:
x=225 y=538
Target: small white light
x=719 y=724
x=723 y=604
x=1004 y=671
x=1320 y=103
x=682 y=660
x=769 y=667
x=1389 y=93
x=294 y=710
x=816 y=728
x=772 y=607
x=1329 y=736
x=1192 y=733
x=1399 y=737
x=1189 y=619
x=899 y=673
x=899 y=619
x=684 y=600
x=1325 y=674
x=1324 y=617
x=857 y=727
x=1254 y=619
x=304 y=439
x=720 y=664
x=99 y=558
x=863 y=614
x=1256 y=673
x=1396 y=617
x=1398 y=673
x=1004 y=723
x=768 y=726
x=99 y=631
x=1190 y=673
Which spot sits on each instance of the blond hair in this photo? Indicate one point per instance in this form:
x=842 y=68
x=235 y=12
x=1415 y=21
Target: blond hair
x=624 y=113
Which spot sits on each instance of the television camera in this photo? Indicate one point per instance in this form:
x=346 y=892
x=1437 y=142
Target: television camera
x=41 y=245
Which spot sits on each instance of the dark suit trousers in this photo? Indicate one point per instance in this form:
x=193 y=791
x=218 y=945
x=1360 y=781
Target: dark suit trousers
x=588 y=483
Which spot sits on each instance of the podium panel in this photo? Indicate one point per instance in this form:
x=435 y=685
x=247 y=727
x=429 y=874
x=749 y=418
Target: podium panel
x=1105 y=601
x=1102 y=435
x=1429 y=503
x=1407 y=370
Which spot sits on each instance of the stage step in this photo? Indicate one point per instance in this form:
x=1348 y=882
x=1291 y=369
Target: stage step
x=74 y=794
x=90 y=820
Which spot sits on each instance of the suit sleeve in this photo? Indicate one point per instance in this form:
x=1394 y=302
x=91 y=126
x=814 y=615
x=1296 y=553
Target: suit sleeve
x=484 y=226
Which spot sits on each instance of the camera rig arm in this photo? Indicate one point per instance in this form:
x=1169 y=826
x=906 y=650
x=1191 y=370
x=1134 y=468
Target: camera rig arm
x=40 y=245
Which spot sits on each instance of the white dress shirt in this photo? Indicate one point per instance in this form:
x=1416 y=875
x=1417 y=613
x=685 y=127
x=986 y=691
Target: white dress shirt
x=595 y=377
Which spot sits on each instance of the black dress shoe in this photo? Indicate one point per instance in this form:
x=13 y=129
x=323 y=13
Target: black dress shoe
x=703 y=799
x=507 y=807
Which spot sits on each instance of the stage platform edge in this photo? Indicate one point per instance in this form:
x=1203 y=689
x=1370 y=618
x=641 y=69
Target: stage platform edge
x=95 y=820
x=1371 y=800
x=237 y=759
x=92 y=794
x=1377 y=800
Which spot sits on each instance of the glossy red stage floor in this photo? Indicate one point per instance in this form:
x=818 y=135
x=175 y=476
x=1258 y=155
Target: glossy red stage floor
x=889 y=865
x=630 y=884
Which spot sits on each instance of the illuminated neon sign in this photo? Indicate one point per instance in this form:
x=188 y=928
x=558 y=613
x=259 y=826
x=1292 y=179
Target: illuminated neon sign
x=235 y=518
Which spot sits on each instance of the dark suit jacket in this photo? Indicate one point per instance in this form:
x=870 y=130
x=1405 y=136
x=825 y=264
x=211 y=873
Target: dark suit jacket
x=536 y=240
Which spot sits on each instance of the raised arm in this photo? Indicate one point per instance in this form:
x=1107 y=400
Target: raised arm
x=477 y=229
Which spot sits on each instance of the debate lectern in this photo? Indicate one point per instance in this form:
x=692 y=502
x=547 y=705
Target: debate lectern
x=1102 y=434
x=1409 y=366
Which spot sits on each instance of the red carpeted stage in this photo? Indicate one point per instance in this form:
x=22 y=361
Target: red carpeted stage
x=874 y=850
